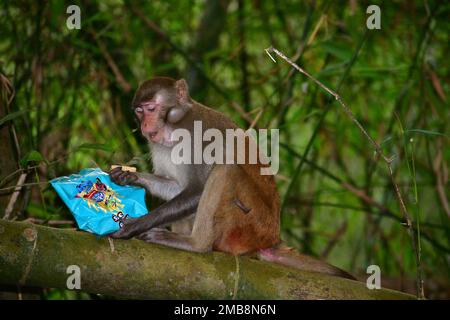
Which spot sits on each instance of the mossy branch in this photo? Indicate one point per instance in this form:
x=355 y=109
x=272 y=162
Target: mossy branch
x=33 y=255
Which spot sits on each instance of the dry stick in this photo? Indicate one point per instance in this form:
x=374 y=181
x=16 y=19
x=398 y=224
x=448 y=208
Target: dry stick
x=378 y=150
x=53 y=162
x=339 y=233
x=438 y=167
x=11 y=90
x=110 y=61
x=3 y=181
x=336 y=96
x=24 y=185
x=15 y=196
x=20 y=185
x=236 y=278
x=111 y=244
x=22 y=170
x=253 y=124
x=48 y=222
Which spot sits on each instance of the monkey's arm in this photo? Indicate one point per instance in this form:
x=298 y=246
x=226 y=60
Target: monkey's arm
x=160 y=187
x=183 y=205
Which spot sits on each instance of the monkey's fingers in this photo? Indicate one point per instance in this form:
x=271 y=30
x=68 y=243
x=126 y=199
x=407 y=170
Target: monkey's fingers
x=128 y=178
x=131 y=227
x=115 y=170
x=123 y=177
x=114 y=174
x=118 y=235
x=121 y=234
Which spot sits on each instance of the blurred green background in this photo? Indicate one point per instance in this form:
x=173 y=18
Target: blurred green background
x=66 y=94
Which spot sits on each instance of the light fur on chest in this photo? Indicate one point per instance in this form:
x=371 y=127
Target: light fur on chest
x=164 y=166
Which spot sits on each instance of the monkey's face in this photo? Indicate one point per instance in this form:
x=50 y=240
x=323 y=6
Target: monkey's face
x=151 y=115
x=159 y=105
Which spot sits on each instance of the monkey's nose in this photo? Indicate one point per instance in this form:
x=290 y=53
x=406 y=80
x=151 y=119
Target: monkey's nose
x=147 y=130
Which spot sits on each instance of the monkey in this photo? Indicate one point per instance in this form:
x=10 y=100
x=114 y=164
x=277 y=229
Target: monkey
x=227 y=207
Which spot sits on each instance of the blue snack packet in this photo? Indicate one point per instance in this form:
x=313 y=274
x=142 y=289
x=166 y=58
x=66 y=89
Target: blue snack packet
x=99 y=205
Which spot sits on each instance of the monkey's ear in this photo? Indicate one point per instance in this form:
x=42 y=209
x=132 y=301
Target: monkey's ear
x=182 y=91
x=175 y=114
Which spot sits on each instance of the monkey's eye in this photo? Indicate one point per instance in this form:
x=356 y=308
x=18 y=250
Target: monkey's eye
x=138 y=110
x=150 y=107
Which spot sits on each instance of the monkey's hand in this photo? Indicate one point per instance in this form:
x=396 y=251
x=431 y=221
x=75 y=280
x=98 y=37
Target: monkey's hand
x=122 y=178
x=132 y=227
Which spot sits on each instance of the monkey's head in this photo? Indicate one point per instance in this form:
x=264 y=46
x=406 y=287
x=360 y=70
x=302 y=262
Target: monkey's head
x=159 y=104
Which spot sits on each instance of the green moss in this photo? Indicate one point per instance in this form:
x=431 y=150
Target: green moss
x=135 y=269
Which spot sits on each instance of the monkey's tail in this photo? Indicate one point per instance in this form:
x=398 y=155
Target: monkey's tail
x=287 y=256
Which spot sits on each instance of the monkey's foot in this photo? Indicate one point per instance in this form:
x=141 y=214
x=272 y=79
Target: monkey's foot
x=155 y=235
x=168 y=238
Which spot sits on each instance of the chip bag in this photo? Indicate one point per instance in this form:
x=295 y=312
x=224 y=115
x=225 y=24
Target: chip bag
x=99 y=205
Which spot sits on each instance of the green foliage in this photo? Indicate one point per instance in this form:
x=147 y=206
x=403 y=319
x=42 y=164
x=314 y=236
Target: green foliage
x=32 y=156
x=11 y=116
x=72 y=108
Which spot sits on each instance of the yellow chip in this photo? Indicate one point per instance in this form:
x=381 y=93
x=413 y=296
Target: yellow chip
x=124 y=168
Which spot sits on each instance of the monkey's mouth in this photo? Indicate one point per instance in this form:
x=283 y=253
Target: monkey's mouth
x=153 y=136
x=160 y=138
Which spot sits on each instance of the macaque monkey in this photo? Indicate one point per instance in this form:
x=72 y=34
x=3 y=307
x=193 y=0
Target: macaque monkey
x=225 y=207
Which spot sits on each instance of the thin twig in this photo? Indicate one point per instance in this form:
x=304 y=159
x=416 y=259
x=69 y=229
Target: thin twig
x=439 y=168
x=339 y=233
x=49 y=222
x=379 y=151
x=111 y=245
x=15 y=196
x=126 y=87
x=336 y=96
x=11 y=91
x=236 y=278
x=3 y=181
x=253 y=124
x=24 y=185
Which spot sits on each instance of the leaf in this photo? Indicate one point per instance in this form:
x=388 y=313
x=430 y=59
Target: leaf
x=33 y=155
x=427 y=132
x=337 y=50
x=95 y=146
x=11 y=116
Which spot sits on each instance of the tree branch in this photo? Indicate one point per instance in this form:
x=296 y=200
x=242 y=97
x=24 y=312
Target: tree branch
x=33 y=255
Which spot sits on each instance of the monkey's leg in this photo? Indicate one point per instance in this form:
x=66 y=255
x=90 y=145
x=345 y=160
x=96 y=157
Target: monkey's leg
x=203 y=234
x=200 y=240
x=184 y=226
x=170 y=239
